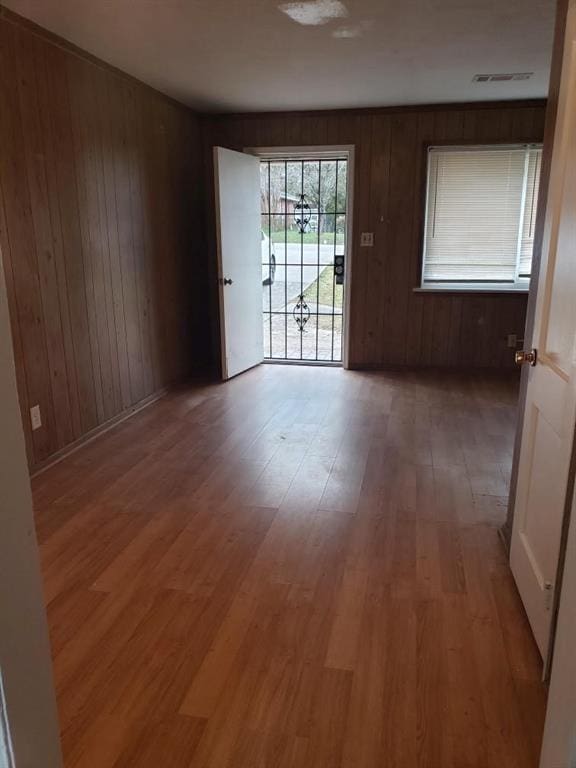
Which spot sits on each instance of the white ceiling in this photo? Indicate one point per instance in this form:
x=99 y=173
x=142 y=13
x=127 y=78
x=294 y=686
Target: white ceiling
x=248 y=55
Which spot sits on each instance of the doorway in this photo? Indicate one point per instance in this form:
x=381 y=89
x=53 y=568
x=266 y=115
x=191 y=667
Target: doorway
x=305 y=223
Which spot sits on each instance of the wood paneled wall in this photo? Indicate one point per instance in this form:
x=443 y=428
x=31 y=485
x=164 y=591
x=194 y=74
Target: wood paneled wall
x=390 y=324
x=99 y=193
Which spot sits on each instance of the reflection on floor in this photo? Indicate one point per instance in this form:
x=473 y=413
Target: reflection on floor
x=299 y=568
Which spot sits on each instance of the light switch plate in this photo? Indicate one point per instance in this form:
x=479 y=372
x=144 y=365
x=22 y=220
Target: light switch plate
x=35 y=417
x=367 y=239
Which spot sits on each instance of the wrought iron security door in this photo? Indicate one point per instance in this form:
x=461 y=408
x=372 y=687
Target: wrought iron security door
x=304 y=211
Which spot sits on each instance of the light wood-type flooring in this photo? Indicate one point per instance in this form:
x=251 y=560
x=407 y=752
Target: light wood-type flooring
x=300 y=568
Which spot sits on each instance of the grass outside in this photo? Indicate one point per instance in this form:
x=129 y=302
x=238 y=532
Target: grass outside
x=309 y=238
x=322 y=290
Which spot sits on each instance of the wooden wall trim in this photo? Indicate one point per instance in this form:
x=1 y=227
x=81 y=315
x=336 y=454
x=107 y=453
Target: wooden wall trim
x=60 y=42
x=384 y=110
x=58 y=456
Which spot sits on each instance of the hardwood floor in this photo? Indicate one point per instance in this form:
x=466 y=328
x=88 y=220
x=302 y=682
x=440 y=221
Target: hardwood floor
x=297 y=569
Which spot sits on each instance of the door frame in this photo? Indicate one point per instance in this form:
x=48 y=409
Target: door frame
x=28 y=711
x=318 y=152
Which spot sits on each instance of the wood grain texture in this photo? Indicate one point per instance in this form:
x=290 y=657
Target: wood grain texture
x=390 y=325
x=100 y=190
x=298 y=568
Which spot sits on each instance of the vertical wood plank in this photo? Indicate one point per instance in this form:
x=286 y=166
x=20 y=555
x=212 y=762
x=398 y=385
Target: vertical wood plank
x=109 y=137
x=138 y=223
x=359 y=322
x=66 y=191
x=53 y=205
x=406 y=157
x=77 y=84
x=375 y=295
x=47 y=244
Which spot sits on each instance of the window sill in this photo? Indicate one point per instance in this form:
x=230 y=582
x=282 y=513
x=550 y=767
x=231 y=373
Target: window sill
x=471 y=289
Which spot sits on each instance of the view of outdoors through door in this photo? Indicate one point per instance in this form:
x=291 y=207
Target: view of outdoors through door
x=304 y=208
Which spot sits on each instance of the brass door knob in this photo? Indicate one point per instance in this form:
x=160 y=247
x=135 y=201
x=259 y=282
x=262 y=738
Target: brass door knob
x=526 y=356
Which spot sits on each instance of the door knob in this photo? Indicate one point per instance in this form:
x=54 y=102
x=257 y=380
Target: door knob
x=524 y=356
x=226 y=281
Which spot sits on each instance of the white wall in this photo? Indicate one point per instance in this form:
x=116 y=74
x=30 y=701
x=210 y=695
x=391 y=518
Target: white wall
x=25 y=664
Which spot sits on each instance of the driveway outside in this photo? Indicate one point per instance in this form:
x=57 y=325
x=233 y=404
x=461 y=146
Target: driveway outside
x=290 y=281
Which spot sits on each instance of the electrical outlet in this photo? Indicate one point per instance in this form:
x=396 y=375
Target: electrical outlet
x=512 y=341
x=35 y=417
x=367 y=239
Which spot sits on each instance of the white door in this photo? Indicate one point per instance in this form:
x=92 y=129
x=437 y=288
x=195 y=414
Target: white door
x=549 y=417
x=238 y=231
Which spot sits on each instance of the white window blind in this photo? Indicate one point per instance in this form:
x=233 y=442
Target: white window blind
x=480 y=215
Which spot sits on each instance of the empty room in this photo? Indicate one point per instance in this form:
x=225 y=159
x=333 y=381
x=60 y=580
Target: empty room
x=288 y=384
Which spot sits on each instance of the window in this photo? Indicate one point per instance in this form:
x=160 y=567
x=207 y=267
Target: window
x=480 y=215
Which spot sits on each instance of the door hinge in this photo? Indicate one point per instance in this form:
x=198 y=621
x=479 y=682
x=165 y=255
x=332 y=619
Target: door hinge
x=548 y=595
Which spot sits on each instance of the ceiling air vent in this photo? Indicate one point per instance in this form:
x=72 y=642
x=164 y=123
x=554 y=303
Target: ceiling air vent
x=502 y=77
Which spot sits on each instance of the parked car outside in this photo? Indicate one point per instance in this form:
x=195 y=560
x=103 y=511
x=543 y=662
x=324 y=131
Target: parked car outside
x=268 y=261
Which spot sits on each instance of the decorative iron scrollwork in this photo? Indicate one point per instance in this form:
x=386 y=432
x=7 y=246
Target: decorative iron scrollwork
x=302 y=215
x=301 y=313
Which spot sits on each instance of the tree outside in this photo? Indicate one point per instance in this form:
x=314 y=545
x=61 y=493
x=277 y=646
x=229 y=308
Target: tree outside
x=322 y=182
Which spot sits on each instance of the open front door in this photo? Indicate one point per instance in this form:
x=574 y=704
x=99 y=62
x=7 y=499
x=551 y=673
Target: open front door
x=237 y=184
x=549 y=416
